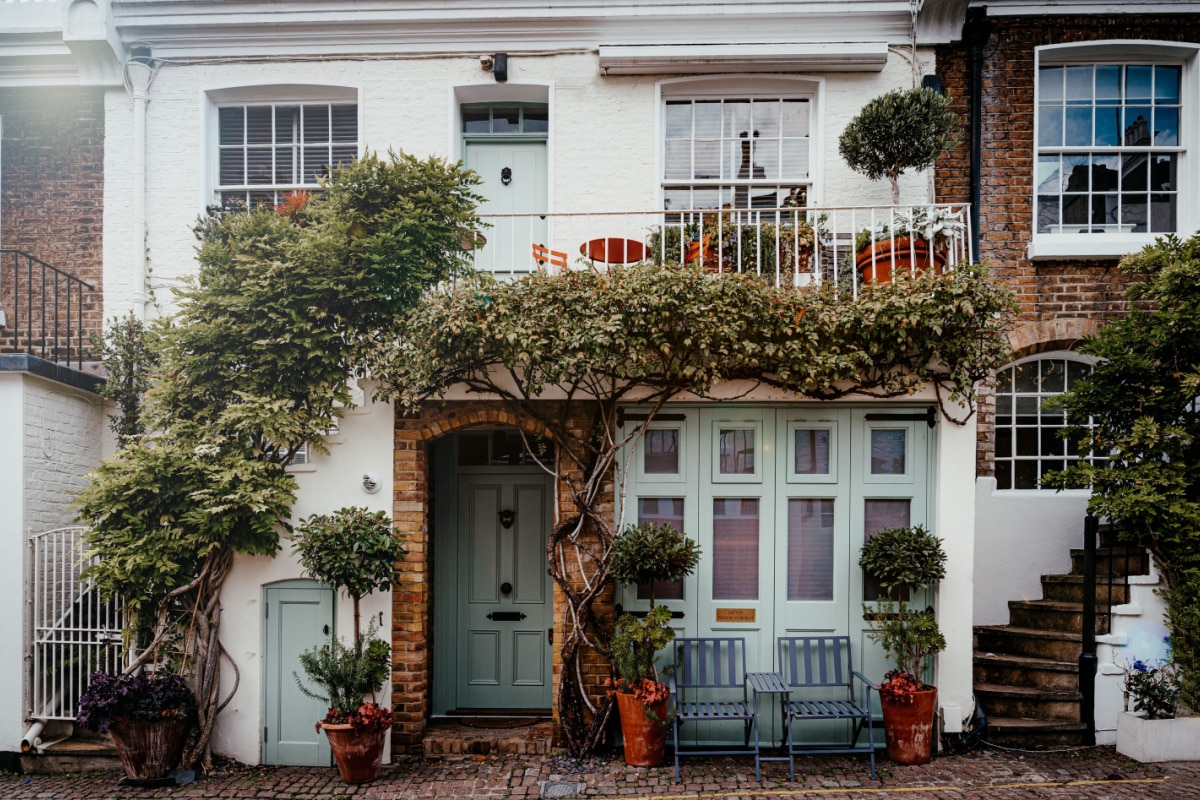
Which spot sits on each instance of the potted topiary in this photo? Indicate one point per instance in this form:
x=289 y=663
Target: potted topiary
x=905 y=129
x=146 y=715
x=645 y=554
x=354 y=550
x=901 y=560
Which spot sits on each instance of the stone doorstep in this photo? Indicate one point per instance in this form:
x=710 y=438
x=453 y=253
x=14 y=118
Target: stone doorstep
x=482 y=736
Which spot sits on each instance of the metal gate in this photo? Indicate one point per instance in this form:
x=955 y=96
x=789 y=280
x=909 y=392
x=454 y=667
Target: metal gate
x=74 y=632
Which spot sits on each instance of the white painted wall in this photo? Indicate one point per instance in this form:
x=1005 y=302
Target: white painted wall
x=332 y=482
x=1020 y=536
x=50 y=435
x=954 y=515
x=604 y=140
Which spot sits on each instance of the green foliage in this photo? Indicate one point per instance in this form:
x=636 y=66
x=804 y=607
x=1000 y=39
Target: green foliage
x=344 y=673
x=1153 y=688
x=904 y=558
x=1141 y=398
x=157 y=509
x=353 y=549
x=650 y=552
x=129 y=356
x=901 y=130
x=635 y=641
x=679 y=329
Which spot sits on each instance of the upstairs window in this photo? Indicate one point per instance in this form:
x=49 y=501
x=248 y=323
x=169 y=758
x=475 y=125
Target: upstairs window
x=268 y=150
x=737 y=153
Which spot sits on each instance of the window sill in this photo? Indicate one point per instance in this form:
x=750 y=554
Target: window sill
x=1097 y=246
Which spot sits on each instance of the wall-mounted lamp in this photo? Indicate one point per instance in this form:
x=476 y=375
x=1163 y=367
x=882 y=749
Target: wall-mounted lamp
x=500 y=67
x=370 y=482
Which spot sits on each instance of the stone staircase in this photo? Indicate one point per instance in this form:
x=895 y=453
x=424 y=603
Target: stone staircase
x=1027 y=672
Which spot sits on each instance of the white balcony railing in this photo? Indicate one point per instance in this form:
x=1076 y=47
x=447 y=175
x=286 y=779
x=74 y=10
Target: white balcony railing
x=787 y=246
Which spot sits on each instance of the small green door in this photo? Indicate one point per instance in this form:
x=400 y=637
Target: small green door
x=299 y=615
x=504 y=592
x=514 y=185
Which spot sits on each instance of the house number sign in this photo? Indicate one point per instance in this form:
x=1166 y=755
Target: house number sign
x=735 y=615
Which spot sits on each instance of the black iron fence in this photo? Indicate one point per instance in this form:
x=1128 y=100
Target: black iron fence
x=41 y=309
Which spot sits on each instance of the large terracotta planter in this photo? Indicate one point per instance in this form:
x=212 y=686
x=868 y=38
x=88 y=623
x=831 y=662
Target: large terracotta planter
x=358 y=754
x=148 y=749
x=908 y=722
x=645 y=738
x=879 y=261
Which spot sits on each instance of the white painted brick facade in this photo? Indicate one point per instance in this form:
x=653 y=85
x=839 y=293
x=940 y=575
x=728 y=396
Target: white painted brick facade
x=62 y=441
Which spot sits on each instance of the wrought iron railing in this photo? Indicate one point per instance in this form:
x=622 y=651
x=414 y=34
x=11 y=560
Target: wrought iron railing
x=787 y=246
x=41 y=309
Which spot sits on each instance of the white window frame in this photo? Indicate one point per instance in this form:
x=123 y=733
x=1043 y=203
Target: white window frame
x=1114 y=244
x=274 y=94
x=1053 y=355
x=745 y=87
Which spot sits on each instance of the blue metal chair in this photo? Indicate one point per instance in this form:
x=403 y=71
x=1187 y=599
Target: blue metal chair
x=819 y=671
x=715 y=667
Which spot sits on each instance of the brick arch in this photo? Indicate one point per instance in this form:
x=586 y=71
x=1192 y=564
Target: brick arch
x=1047 y=335
x=412 y=595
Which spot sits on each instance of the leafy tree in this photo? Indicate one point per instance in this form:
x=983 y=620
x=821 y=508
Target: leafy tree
x=648 y=334
x=128 y=356
x=288 y=305
x=1138 y=409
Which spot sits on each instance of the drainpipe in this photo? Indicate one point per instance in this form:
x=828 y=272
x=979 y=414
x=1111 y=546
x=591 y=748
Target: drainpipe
x=139 y=71
x=975 y=34
x=33 y=736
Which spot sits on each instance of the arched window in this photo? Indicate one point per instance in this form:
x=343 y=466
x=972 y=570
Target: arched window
x=1028 y=444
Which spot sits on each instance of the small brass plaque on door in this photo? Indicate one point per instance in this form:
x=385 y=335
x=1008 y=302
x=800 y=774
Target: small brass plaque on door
x=735 y=615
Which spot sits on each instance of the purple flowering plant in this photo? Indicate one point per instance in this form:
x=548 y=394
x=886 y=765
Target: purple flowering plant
x=134 y=697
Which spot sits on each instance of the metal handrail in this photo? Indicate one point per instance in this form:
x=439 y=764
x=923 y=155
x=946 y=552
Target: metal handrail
x=46 y=318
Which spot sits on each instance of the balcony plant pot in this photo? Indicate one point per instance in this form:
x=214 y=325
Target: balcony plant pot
x=908 y=721
x=877 y=262
x=645 y=738
x=148 y=749
x=358 y=754
x=1153 y=740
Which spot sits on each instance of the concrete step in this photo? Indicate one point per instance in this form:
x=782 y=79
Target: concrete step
x=1028 y=702
x=1053 y=615
x=1118 y=562
x=1009 y=670
x=1035 y=642
x=1069 y=589
x=1033 y=732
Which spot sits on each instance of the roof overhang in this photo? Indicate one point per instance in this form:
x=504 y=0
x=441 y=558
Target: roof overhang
x=668 y=59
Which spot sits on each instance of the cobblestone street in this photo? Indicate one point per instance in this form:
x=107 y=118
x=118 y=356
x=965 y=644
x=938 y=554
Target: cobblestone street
x=1098 y=773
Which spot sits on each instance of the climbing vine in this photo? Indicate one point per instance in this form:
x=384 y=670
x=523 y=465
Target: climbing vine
x=564 y=350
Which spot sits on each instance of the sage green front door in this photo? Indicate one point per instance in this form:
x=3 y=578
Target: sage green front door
x=299 y=615
x=505 y=592
x=514 y=187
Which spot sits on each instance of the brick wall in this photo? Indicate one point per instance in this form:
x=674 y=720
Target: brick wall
x=1059 y=300
x=52 y=182
x=412 y=596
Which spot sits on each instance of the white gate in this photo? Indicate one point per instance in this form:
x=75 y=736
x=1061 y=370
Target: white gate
x=75 y=633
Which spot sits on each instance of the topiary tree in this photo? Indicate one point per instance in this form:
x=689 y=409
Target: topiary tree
x=288 y=305
x=651 y=552
x=901 y=130
x=1137 y=414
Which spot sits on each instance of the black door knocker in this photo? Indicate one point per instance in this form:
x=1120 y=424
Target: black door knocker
x=507 y=516
x=506 y=176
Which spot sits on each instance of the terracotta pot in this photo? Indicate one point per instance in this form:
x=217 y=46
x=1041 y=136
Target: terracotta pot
x=908 y=723
x=645 y=738
x=148 y=749
x=902 y=254
x=358 y=753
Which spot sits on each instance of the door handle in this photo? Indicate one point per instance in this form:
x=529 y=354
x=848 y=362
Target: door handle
x=325 y=630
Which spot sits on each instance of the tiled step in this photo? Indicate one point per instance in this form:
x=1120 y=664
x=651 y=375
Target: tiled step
x=1069 y=589
x=1026 y=732
x=1035 y=642
x=1053 y=615
x=1010 y=670
x=1122 y=560
x=1028 y=702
